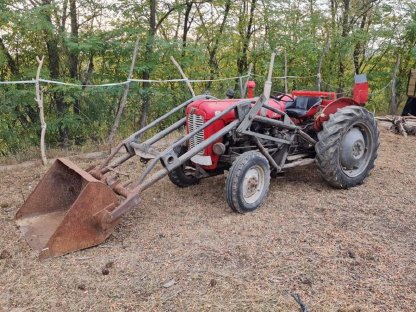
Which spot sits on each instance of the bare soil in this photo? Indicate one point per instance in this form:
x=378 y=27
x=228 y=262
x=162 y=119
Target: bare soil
x=184 y=250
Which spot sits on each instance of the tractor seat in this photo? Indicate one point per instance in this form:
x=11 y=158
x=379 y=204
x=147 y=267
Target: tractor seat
x=300 y=106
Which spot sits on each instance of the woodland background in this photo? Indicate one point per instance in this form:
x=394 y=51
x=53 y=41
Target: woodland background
x=91 y=42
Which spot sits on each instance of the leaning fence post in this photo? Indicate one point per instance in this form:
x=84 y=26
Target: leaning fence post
x=39 y=100
x=393 y=96
x=183 y=75
x=123 y=99
x=286 y=71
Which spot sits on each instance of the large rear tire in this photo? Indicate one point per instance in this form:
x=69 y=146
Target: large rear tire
x=248 y=182
x=347 y=147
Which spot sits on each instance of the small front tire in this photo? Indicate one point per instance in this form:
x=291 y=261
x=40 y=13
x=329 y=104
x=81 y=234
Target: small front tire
x=248 y=182
x=183 y=176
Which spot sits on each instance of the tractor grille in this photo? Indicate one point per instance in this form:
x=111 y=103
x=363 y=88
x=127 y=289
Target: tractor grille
x=194 y=122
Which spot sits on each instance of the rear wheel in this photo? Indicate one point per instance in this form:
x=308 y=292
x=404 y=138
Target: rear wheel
x=347 y=147
x=248 y=182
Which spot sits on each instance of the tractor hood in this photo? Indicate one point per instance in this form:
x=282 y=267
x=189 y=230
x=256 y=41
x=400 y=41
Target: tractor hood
x=211 y=108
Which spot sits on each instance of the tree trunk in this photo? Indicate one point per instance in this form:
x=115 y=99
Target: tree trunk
x=344 y=34
x=14 y=70
x=147 y=59
x=186 y=26
x=54 y=70
x=213 y=64
x=359 y=48
x=73 y=55
x=242 y=61
x=28 y=114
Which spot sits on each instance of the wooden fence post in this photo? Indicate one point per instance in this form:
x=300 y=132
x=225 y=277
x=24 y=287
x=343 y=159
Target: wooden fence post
x=183 y=75
x=286 y=71
x=393 y=99
x=39 y=101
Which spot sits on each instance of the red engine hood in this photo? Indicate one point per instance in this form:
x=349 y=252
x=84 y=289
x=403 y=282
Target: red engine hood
x=210 y=108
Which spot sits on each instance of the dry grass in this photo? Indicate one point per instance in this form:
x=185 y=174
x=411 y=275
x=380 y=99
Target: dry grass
x=184 y=250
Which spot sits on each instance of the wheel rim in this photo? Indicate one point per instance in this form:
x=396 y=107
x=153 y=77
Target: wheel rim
x=253 y=184
x=356 y=147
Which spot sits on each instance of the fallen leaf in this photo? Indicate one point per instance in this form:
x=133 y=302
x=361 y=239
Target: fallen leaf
x=169 y=284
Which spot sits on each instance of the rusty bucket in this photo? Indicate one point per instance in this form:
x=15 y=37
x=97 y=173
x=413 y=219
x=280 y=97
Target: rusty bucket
x=63 y=213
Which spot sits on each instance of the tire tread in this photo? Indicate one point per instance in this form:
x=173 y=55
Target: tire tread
x=328 y=144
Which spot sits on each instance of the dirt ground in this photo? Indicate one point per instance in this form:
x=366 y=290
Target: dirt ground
x=184 y=250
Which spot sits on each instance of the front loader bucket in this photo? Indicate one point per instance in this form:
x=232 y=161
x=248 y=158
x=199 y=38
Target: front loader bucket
x=63 y=213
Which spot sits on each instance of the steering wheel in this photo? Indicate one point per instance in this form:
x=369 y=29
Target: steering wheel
x=279 y=95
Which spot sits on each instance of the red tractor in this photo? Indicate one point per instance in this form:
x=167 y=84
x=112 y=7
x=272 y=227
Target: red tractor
x=265 y=136
x=253 y=139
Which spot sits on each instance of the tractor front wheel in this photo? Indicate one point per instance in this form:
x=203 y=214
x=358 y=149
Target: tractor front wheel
x=347 y=147
x=184 y=175
x=248 y=182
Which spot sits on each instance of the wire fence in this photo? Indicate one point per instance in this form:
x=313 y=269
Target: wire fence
x=99 y=104
x=289 y=77
x=120 y=83
x=90 y=108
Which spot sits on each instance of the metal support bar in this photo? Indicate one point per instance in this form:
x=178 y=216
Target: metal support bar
x=117 y=163
x=167 y=151
x=165 y=132
x=248 y=119
x=132 y=197
x=306 y=137
x=285 y=152
x=151 y=125
x=171 y=112
x=266 y=154
x=286 y=118
x=185 y=157
x=101 y=171
x=185 y=138
x=268 y=137
x=301 y=162
x=274 y=110
x=129 y=203
x=110 y=157
x=275 y=123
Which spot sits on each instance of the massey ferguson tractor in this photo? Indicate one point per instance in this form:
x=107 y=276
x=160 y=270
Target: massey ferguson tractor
x=253 y=139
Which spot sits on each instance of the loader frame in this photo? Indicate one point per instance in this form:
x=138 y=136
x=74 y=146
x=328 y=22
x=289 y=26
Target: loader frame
x=246 y=114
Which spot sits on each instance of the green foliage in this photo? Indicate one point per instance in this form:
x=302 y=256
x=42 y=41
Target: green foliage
x=104 y=40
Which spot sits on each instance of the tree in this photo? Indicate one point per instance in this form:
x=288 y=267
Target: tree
x=90 y=42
